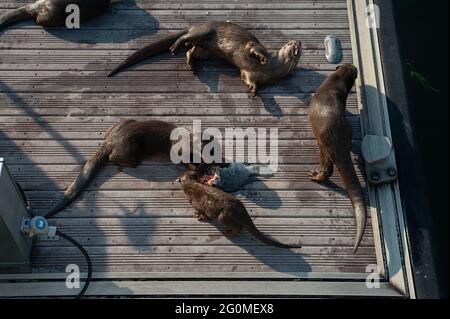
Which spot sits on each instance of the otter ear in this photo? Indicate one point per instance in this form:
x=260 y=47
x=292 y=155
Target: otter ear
x=338 y=67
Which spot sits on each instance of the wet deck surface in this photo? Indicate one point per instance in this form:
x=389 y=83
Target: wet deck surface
x=56 y=102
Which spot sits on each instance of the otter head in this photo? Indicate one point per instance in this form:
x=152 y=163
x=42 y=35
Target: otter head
x=349 y=70
x=190 y=176
x=204 y=174
x=291 y=52
x=350 y=74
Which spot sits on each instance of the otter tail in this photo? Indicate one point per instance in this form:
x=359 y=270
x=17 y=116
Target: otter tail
x=17 y=15
x=87 y=173
x=251 y=228
x=148 y=51
x=353 y=187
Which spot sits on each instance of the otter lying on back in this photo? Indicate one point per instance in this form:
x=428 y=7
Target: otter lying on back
x=230 y=42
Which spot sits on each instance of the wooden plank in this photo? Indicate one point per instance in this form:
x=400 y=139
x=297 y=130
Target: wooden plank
x=77 y=151
x=132 y=104
x=187 y=275
x=157 y=82
x=105 y=60
x=68 y=154
x=180 y=19
x=38 y=39
x=139 y=231
x=72 y=127
x=121 y=203
x=156 y=176
x=202 y=288
x=212 y=4
x=92 y=144
x=234 y=257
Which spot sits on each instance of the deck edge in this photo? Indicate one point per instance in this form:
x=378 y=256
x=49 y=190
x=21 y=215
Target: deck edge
x=387 y=215
x=158 y=289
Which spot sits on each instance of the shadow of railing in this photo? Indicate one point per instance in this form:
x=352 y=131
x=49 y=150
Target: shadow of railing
x=47 y=127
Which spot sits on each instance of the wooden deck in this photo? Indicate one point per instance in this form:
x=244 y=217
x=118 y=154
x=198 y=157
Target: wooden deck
x=56 y=102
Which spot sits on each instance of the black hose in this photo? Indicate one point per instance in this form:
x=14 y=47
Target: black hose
x=73 y=242
x=88 y=261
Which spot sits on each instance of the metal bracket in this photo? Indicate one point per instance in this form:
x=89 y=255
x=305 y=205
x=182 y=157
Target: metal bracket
x=378 y=153
x=48 y=238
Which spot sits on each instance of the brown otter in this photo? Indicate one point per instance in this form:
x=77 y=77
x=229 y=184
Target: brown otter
x=334 y=138
x=212 y=203
x=230 y=42
x=52 y=13
x=126 y=144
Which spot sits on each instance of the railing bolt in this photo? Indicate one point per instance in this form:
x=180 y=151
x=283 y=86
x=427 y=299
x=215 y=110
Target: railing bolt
x=392 y=172
x=376 y=177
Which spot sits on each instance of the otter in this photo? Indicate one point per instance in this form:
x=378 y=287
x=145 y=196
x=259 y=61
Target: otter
x=52 y=13
x=212 y=203
x=126 y=144
x=230 y=42
x=334 y=138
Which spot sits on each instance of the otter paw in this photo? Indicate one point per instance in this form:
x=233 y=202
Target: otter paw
x=193 y=69
x=317 y=176
x=201 y=217
x=263 y=60
x=173 y=49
